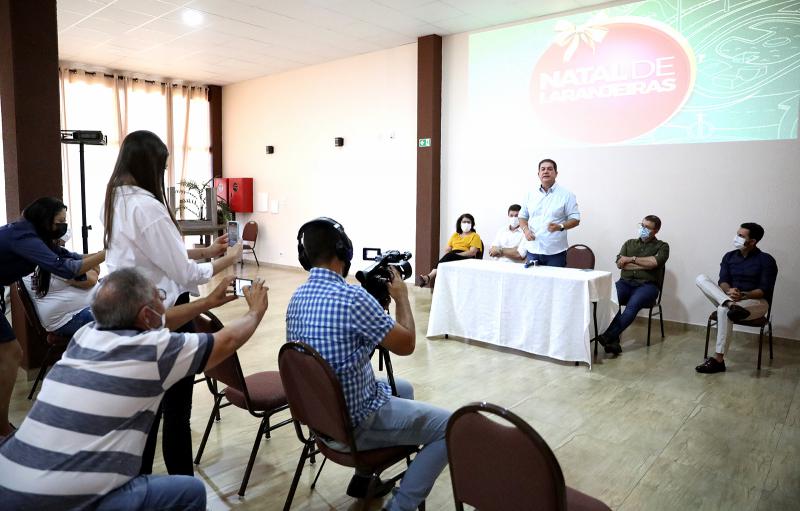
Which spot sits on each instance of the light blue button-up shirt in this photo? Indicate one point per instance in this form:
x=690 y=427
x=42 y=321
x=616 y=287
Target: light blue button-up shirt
x=540 y=209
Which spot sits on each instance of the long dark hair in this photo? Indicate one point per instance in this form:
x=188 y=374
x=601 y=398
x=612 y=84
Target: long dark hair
x=142 y=159
x=41 y=213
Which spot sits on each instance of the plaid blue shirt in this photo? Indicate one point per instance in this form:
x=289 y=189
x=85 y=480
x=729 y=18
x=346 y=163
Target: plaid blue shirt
x=345 y=324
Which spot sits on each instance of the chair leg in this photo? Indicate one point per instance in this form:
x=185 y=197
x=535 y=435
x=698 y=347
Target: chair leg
x=760 y=343
x=252 y=460
x=770 y=339
x=214 y=414
x=288 y=504
x=661 y=320
x=708 y=334
x=314 y=484
x=42 y=371
x=254 y=255
x=267 y=430
x=649 y=323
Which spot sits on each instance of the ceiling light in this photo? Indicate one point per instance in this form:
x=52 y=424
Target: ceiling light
x=192 y=18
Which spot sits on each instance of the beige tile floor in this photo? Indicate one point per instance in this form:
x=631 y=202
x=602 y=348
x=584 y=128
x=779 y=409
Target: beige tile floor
x=642 y=431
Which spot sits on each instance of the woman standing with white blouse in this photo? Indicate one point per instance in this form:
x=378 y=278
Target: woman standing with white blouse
x=140 y=231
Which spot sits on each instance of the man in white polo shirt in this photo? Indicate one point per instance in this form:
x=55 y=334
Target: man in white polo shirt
x=546 y=215
x=509 y=243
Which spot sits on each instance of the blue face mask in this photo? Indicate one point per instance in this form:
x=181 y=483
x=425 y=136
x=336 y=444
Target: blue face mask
x=644 y=232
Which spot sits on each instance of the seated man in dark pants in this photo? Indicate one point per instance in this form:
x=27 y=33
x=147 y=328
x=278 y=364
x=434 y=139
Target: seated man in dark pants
x=641 y=260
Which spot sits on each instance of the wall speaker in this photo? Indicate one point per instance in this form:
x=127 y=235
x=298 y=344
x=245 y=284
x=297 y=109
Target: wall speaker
x=338 y=141
x=270 y=149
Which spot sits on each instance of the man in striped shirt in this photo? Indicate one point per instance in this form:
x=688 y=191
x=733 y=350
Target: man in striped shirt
x=80 y=446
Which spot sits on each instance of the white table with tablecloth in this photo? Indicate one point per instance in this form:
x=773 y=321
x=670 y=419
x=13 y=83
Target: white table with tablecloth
x=542 y=310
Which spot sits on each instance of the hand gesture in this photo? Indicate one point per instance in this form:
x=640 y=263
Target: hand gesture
x=236 y=251
x=494 y=252
x=256 y=296
x=219 y=246
x=735 y=294
x=529 y=235
x=221 y=294
x=397 y=288
x=553 y=227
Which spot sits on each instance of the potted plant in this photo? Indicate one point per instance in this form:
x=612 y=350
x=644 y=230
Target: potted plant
x=193 y=197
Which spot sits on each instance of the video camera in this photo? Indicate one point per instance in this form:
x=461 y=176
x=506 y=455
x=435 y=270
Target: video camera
x=375 y=277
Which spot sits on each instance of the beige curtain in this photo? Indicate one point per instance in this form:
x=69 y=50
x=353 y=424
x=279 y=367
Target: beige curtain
x=118 y=104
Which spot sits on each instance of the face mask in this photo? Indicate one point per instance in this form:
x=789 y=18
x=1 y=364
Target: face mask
x=739 y=242
x=60 y=230
x=644 y=232
x=163 y=322
x=67 y=236
x=513 y=222
x=466 y=227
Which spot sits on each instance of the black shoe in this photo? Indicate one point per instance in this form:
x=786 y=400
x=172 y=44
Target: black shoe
x=359 y=484
x=710 y=366
x=602 y=339
x=737 y=312
x=613 y=347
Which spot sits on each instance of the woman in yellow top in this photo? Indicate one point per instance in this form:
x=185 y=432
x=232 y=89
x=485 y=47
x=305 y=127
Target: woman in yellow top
x=463 y=244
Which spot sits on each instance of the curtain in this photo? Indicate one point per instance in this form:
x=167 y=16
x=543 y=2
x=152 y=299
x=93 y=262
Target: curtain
x=117 y=105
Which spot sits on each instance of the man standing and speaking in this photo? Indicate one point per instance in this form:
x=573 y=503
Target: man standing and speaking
x=546 y=215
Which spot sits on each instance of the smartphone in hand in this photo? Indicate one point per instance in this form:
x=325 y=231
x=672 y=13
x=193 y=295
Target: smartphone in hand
x=233 y=233
x=240 y=284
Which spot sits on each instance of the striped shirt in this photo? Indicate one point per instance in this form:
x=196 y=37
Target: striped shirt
x=86 y=431
x=344 y=324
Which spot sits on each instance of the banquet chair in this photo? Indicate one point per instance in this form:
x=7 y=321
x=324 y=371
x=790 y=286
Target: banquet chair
x=580 y=257
x=250 y=235
x=498 y=462
x=55 y=343
x=261 y=394
x=317 y=402
x=762 y=323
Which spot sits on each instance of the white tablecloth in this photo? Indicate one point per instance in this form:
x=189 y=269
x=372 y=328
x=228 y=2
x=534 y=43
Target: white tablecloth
x=541 y=310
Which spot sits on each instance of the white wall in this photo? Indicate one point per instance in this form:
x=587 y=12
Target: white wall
x=369 y=185
x=702 y=192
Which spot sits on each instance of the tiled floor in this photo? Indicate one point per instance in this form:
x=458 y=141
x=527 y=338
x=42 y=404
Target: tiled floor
x=642 y=431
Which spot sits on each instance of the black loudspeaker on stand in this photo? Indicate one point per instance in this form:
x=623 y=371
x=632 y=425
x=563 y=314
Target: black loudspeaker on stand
x=83 y=138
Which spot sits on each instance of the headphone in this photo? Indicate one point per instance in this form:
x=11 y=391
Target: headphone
x=343 y=248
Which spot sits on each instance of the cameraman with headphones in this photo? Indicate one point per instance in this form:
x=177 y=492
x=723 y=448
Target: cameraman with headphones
x=345 y=324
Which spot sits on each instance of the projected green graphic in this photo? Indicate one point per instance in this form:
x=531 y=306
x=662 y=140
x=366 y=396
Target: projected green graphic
x=651 y=72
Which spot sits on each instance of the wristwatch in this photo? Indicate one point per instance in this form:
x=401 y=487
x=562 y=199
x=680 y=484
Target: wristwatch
x=561 y=227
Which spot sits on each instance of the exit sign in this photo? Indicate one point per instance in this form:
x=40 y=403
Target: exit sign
x=424 y=142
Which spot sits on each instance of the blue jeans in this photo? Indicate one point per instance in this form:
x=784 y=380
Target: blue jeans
x=635 y=297
x=153 y=493
x=403 y=421
x=77 y=321
x=559 y=259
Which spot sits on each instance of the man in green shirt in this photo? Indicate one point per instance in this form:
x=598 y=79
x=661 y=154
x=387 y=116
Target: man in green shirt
x=642 y=262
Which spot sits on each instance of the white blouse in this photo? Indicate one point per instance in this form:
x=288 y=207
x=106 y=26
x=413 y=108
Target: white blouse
x=143 y=236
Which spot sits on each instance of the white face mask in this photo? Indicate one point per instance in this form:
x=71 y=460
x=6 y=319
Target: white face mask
x=67 y=236
x=163 y=320
x=466 y=227
x=739 y=242
x=513 y=222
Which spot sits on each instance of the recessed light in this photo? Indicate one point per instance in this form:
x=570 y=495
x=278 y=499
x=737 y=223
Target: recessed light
x=192 y=18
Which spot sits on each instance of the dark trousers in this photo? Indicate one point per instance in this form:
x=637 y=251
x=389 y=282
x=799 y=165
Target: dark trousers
x=176 y=409
x=635 y=297
x=559 y=259
x=451 y=256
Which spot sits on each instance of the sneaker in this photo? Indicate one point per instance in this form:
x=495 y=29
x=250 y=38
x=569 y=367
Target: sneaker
x=359 y=484
x=737 y=312
x=710 y=366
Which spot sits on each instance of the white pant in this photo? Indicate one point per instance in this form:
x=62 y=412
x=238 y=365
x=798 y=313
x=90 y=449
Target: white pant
x=756 y=308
